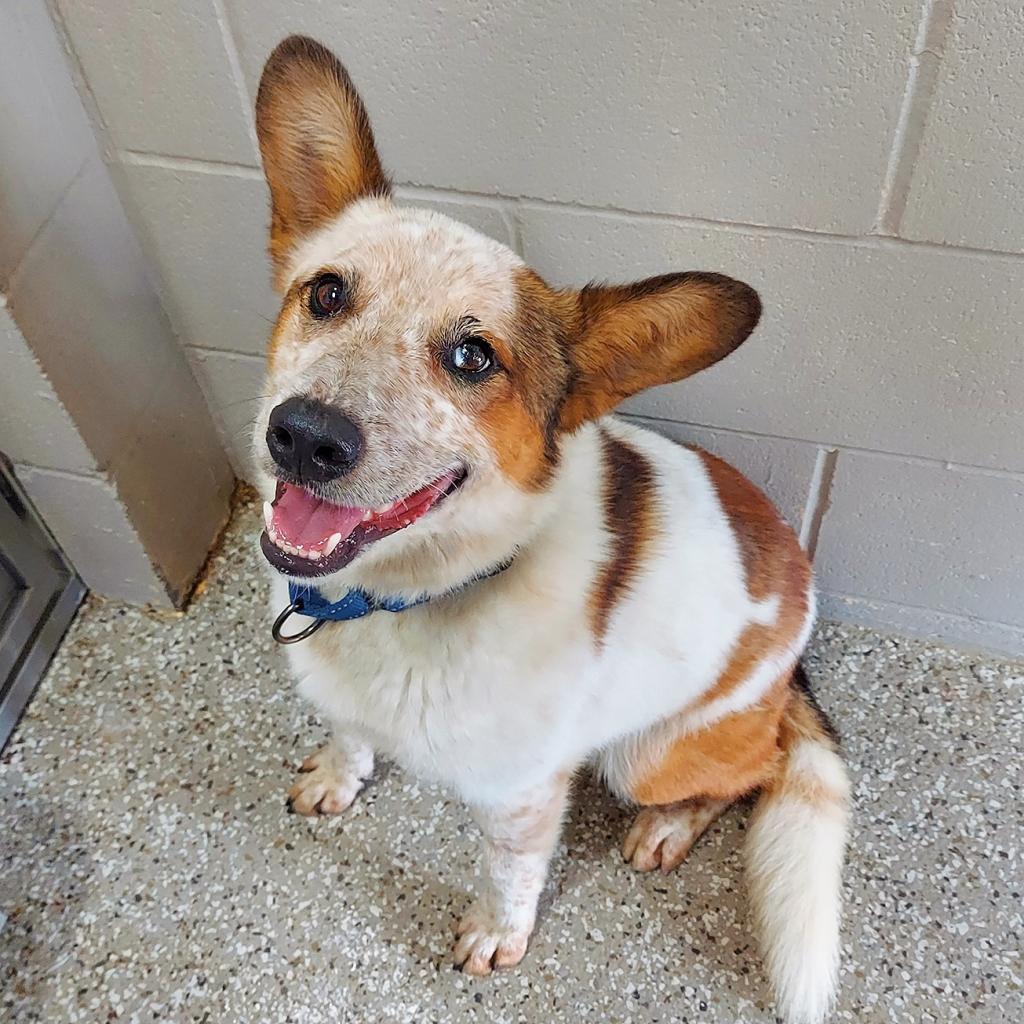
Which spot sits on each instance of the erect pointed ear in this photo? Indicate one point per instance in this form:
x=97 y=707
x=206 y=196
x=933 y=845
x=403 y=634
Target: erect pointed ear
x=631 y=337
x=316 y=142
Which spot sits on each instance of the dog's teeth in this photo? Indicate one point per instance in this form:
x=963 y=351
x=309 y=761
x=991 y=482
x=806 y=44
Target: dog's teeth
x=268 y=514
x=367 y=515
x=332 y=543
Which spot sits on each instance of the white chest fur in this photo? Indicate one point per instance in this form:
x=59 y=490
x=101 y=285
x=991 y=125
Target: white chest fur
x=492 y=691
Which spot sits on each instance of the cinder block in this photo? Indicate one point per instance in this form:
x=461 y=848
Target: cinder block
x=782 y=469
x=966 y=187
x=235 y=389
x=85 y=303
x=871 y=347
x=207 y=236
x=34 y=426
x=90 y=524
x=926 y=536
x=956 y=630
x=81 y=298
x=779 y=115
x=161 y=76
x=39 y=159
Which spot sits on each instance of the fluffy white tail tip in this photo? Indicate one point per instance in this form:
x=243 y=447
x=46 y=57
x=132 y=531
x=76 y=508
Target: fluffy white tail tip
x=795 y=850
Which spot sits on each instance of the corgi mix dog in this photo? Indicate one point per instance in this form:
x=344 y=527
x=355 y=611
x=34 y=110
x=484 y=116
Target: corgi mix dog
x=495 y=582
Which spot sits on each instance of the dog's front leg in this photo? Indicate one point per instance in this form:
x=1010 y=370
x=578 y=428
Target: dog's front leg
x=332 y=776
x=519 y=837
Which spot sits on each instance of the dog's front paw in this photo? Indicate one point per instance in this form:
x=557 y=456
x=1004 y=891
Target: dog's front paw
x=485 y=943
x=328 y=784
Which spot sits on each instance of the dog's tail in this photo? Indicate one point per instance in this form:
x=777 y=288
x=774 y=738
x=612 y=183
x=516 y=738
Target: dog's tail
x=794 y=854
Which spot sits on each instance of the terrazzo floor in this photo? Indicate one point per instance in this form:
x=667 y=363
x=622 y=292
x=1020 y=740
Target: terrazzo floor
x=149 y=871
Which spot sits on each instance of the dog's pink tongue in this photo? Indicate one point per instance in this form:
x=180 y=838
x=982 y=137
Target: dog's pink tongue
x=303 y=519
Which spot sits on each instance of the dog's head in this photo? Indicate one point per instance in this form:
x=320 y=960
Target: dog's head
x=422 y=378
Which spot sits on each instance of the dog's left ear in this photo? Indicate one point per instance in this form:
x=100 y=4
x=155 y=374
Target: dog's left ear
x=316 y=142
x=632 y=337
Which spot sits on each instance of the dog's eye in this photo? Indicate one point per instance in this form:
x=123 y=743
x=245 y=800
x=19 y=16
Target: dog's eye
x=470 y=357
x=328 y=296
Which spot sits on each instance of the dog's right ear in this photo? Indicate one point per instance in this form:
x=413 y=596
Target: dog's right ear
x=316 y=142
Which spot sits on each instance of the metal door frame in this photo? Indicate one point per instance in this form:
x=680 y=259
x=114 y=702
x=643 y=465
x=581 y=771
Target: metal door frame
x=31 y=628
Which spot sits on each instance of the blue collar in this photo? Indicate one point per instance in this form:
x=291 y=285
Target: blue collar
x=354 y=604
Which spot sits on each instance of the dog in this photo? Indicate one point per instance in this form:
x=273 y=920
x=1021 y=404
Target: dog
x=494 y=582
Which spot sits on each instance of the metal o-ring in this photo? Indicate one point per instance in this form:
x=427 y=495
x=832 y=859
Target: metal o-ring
x=294 y=638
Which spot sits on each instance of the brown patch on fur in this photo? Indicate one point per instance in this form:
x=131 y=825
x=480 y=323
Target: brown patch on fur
x=572 y=356
x=286 y=324
x=629 y=514
x=773 y=561
x=774 y=564
x=517 y=439
x=520 y=417
x=745 y=751
x=723 y=761
x=803 y=686
x=316 y=142
x=754 y=645
x=632 y=337
x=802 y=723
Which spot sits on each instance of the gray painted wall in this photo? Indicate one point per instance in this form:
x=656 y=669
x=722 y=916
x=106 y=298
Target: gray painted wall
x=99 y=410
x=860 y=164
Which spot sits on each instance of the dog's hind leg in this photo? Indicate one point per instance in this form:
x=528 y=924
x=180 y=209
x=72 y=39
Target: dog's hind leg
x=331 y=778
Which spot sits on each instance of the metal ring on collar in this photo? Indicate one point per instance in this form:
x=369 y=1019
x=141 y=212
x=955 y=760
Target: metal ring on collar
x=294 y=638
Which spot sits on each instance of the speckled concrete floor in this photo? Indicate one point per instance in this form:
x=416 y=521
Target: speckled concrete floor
x=150 y=872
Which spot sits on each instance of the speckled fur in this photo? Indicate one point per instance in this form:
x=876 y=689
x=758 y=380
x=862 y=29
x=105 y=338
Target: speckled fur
x=415 y=272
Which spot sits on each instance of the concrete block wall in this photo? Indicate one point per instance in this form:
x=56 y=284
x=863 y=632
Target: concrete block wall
x=860 y=164
x=99 y=411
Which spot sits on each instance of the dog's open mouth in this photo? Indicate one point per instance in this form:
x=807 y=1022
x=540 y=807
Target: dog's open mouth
x=307 y=536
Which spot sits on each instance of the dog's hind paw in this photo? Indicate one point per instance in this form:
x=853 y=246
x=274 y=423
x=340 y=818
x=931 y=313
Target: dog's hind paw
x=327 y=784
x=484 y=944
x=661 y=837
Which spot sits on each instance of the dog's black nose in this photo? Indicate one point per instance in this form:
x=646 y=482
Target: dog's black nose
x=312 y=440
